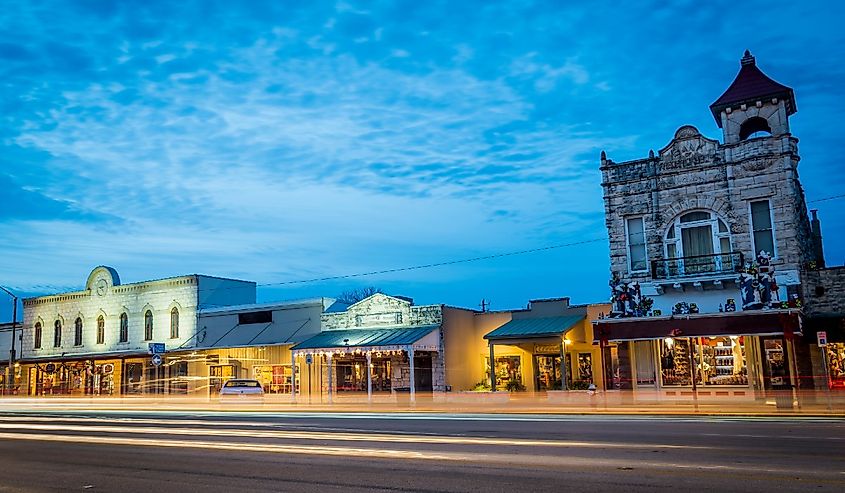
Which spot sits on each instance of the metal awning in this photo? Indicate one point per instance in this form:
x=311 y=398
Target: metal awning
x=533 y=328
x=425 y=338
x=763 y=322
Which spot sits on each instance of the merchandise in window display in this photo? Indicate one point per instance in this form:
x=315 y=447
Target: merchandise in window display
x=835 y=353
x=675 y=362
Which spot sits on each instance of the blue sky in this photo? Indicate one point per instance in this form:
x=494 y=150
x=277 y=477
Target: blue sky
x=283 y=141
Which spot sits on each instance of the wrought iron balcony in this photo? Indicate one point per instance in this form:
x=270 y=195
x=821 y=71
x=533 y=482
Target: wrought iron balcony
x=697 y=265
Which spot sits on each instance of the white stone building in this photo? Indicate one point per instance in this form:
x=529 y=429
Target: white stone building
x=685 y=224
x=96 y=341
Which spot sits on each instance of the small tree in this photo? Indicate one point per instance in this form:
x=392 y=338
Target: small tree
x=351 y=296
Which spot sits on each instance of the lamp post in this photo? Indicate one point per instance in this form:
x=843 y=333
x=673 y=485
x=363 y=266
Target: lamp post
x=11 y=370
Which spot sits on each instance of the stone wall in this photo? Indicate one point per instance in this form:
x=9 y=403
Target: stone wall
x=381 y=310
x=824 y=291
x=694 y=172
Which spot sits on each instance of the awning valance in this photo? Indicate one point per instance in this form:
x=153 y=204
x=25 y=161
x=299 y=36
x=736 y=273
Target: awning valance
x=533 y=328
x=384 y=339
x=764 y=322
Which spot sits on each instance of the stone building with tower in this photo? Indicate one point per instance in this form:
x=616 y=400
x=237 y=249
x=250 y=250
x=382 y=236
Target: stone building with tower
x=709 y=242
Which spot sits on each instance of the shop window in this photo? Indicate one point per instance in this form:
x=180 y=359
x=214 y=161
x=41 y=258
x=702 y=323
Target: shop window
x=101 y=330
x=508 y=372
x=835 y=354
x=710 y=360
x=124 y=328
x=148 y=326
x=635 y=229
x=761 y=225
x=57 y=334
x=77 y=332
x=174 y=323
x=37 y=336
x=548 y=370
x=585 y=367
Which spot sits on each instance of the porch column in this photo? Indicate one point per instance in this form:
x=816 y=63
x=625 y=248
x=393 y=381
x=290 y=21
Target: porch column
x=329 y=364
x=564 y=370
x=369 y=377
x=292 y=376
x=410 y=350
x=492 y=366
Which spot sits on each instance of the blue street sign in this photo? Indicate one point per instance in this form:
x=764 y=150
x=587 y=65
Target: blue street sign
x=156 y=360
x=156 y=348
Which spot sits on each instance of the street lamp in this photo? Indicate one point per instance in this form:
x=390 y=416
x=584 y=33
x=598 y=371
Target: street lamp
x=11 y=370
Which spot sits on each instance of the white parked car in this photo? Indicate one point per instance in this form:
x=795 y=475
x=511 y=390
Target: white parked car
x=239 y=389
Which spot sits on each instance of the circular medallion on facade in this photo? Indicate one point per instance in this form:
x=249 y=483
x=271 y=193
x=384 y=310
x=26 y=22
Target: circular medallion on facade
x=102 y=287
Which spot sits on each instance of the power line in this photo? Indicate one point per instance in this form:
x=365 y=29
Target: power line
x=436 y=264
x=823 y=199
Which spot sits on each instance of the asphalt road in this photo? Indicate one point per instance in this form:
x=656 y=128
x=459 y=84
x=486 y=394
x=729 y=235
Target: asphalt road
x=219 y=451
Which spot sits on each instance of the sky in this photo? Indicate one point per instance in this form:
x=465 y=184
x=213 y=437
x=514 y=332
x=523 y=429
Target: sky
x=286 y=141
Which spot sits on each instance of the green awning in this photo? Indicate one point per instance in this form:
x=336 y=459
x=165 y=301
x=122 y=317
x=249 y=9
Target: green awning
x=526 y=328
x=360 y=338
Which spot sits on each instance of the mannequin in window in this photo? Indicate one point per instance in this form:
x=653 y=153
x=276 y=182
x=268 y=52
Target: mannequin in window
x=736 y=350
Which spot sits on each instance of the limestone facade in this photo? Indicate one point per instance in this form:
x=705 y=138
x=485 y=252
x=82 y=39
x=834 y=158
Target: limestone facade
x=105 y=297
x=695 y=173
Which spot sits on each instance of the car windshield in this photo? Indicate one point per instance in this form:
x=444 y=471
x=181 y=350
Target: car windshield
x=242 y=383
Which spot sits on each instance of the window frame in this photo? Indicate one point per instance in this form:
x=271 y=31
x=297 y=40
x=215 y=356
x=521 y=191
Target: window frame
x=148 y=325
x=38 y=332
x=101 y=330
x=174 y=323
x=754 y=251
x=57 y=333
x=78 y=326
x=628 y=246
x=123 y=328
x=716 y=235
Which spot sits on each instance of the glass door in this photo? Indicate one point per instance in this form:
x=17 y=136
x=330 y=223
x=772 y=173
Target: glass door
x=547 y=372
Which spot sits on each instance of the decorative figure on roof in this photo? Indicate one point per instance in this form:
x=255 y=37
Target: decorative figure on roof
x=627 y=299
x=758 y=287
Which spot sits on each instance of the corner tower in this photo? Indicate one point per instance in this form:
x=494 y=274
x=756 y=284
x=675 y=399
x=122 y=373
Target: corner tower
x=753 y=105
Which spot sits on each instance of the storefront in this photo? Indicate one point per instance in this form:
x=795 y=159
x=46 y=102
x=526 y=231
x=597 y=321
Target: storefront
x=541 y=354
x=103 y=375
x=743 y=354
x=368 y=361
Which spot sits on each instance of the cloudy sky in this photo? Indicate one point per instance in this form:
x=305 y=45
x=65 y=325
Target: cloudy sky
x=285 y=141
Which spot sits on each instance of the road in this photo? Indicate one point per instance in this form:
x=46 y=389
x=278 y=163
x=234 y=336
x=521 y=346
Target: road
x=309 y=451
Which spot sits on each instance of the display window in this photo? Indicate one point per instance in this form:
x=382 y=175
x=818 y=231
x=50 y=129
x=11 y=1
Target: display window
x=835 y=355
x=708 y=360
x=508 y=372
x=352 y=376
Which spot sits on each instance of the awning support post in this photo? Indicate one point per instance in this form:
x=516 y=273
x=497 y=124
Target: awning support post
x=564 y=370
x=369 y=376
x=492 y=366
x=410 y=350
x=329 y=365
x=292 y=376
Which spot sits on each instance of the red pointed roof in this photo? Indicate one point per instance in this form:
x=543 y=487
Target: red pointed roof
x=752 y=85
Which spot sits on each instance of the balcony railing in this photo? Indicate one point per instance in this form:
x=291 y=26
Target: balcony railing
x=697 y=265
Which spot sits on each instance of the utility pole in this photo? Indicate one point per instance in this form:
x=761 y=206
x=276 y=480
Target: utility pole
x=11 y=370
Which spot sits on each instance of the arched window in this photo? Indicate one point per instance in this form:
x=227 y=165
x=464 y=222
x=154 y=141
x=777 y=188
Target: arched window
x=101 y=330
x=124 y=327
x=77 y=332
x=174 y=323
x=57 y=334
x=148 y=326
x=754 y=127
x=701 y=243
x=37 y=335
